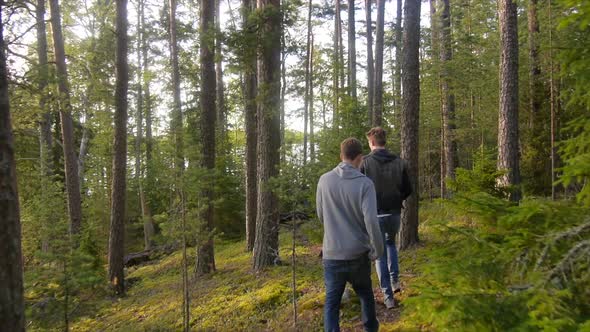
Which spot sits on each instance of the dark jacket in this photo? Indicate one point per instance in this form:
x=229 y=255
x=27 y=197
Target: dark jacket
x=390 y=176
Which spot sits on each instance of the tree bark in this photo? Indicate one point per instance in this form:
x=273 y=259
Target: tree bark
x=45 y=137
x=12 y=311
x=307 y=101
x=370 y=61
x=267 y=220
x=205 y=254
x=67 y=126
x=448 y=96
x=378 y=85
x=119 y=185
x=148 y=97
x=283 y=90
x=220 y=89
x=398 y=67
x=410 y=119
x=148 y=225
x=508 y=152
x=337 y=80
x=310 y=106
x=249 y=93
x=176 y=119
x=351 y=52
x=535 y=85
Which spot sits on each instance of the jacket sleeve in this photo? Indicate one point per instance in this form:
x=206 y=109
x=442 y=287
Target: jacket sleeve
x=318 y=202
x=369 y=206
x=406 y=189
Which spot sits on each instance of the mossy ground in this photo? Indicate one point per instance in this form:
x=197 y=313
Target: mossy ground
x=234 y=298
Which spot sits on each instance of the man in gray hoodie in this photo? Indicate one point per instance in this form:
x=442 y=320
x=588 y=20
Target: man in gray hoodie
x=347 y=206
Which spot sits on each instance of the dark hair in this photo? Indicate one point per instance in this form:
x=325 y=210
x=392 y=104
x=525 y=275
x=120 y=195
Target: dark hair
x=378 y=134
x=351 y=148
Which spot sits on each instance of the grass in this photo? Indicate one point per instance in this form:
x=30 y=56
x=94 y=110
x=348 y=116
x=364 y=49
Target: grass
x=234 y=298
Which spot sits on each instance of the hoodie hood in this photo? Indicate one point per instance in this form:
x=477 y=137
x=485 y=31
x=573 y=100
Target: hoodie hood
x=382 y=155
x=347 y=171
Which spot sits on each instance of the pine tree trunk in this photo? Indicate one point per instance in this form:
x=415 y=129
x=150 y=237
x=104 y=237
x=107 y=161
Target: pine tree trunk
x=508 y=152
x=67 y=125
x=148 y=225
x=410 y=117
x=448 y=96
x=45 y=135
x=220 y=89
x=148 y=221
x=370 y=61
x=337 y=63
x=311 y=120
x=535 y=84
x=12 y=313
x=148 y=98
x=307 y=101
x=283 y=90
x=249 y=93
x=378 y=85
x=119 y=186
x=553 y=101
x=351 y=52
x=398 y=67
x=45 y=138
x=176 y=118
x=84 y=142
x=267 y=220
x=205 y=254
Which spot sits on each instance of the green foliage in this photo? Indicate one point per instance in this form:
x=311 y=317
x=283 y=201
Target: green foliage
x=482 y=178
x=494 y=266
x=575 y=152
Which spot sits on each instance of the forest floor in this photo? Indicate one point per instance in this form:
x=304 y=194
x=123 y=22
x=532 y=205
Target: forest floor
x=234 y=298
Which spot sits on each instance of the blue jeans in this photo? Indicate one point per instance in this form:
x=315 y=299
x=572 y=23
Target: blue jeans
x=387 y=265
x=336 y=274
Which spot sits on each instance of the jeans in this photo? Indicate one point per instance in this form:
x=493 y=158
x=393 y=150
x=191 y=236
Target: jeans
x=336 y=274
x=387 y=265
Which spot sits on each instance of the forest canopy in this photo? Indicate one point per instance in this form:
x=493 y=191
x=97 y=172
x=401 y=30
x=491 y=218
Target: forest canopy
x=149 y=147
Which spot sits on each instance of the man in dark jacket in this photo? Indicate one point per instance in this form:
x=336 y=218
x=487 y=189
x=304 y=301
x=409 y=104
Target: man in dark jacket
x=392 y=185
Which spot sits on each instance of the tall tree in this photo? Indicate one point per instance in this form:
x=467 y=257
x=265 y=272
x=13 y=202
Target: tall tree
x=410 y=117
x=535 y=84
x=307 y=101
x=370 y=66
x=338 y=74
x=176 y=118
x=398 y=64
x=46 y=139
x=508 y=155
x=12 y=309
x=220 y=88
x=266 y=244
x=148 y=225
x=249 y=94
x=148 y=98
x=351 y=51
x=448 y=96
x=205 y=255
x=310 y=106
x=119 y=184
x=67 y=125
x=378 y=77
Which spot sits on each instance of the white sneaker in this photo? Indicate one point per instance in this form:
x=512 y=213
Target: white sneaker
x=396 y=287
x=389 y=303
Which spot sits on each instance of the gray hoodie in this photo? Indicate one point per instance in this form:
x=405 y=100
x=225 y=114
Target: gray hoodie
x=347 y=206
